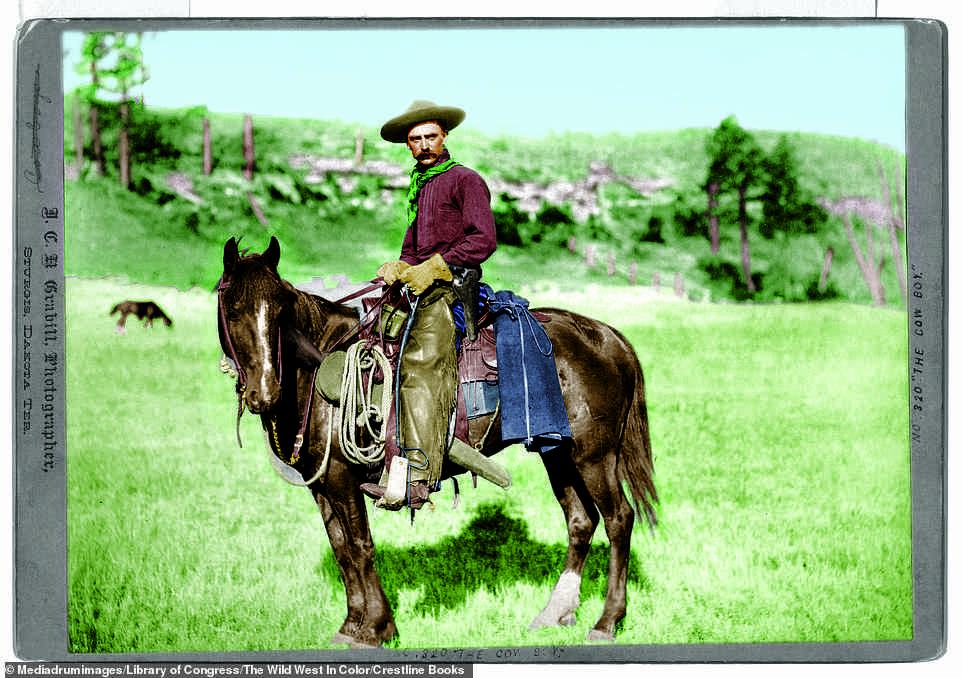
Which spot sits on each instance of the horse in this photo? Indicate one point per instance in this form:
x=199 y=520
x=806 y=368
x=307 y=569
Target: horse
x=277 y=335
x=147 y=311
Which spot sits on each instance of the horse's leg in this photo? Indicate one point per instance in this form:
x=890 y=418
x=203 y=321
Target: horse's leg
x=350 y=577
x=582 y=519
x=602 y=481
x=369 y=621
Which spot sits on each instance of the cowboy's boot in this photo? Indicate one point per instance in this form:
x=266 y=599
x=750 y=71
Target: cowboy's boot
x=428 y=375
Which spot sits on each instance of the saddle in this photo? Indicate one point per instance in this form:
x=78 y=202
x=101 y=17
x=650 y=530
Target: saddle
x=383 y=325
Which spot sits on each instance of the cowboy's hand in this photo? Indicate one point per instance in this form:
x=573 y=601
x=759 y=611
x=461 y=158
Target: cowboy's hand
x=421 y=276
x=391 y=270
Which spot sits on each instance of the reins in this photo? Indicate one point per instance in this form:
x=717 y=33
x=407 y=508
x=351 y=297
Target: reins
x=368 y=319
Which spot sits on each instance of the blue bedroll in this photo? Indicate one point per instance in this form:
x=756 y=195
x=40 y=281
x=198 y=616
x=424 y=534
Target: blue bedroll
x=532 y=407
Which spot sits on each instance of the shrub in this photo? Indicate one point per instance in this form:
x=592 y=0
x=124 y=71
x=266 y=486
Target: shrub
x=726 y=278
x=689 y=220
x=509 y=221
x=653 y=232
x=552 y=224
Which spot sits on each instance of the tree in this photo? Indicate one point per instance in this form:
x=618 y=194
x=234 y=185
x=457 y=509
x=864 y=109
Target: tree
x=736 y=164
x=93 y=50
x=786 y=206
x=128 y=71
x=895 y=220
x=870 y=261
x=712 y=189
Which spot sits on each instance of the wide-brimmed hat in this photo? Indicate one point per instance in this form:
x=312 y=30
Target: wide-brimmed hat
x=396 y=129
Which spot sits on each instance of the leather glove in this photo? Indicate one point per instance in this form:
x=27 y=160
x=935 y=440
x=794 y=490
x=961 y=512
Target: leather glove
x=391 y=270
x=423 y=275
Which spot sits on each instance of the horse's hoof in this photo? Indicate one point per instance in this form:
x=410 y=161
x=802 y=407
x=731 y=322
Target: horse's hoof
x=544 y=620
x=344 y=639
x=599 y=635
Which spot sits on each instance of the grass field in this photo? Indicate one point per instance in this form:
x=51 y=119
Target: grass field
x=780 y=435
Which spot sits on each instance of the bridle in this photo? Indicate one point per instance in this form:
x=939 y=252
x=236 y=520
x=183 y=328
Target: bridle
x=294 y=457
x=222 y=285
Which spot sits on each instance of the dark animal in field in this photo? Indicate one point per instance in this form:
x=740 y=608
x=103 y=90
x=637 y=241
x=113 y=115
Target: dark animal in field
x=148 y=311
x=263 y=322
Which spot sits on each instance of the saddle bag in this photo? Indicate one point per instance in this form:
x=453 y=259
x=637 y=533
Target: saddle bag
x=478 y=375
x=385 y=318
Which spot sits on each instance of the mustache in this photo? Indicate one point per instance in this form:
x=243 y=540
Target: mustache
x=426 y=154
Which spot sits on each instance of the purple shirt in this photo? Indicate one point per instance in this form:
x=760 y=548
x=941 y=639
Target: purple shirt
x=454 y=219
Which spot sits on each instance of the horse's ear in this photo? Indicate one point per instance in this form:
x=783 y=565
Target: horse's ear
x=231 y=255
x=272 y=255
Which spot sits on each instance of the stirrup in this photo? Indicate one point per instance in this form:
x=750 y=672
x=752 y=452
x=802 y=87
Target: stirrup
x=419 y=496
x=398 y=493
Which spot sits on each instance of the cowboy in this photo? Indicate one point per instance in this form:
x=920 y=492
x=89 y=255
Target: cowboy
x=450 y=226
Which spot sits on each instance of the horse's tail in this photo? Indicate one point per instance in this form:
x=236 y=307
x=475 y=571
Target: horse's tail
x=635 y=463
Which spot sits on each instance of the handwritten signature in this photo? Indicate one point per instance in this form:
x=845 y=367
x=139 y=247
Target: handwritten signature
x=35 y=175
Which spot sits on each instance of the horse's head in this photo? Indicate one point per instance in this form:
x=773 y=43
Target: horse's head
x=254 y=308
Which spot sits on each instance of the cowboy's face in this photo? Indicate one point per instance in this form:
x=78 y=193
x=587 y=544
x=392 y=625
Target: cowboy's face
x=426 y=142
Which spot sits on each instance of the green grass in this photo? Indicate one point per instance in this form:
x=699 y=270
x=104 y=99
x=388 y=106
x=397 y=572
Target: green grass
x=781 y=449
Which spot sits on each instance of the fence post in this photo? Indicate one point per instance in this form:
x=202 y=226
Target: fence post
x=573 y=245
x=590 y=256
x=248 y=147
x=124 y=143
x=679 y=285
x=208 y=158
x=78 y=135
x=611 y=265
x=633 y=273
x=656 y=281
x=358 y=147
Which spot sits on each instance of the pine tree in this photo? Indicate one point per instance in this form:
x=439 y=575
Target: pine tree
x=127 y=72
x=92 y=52
x=736 y=164
x=786 y=206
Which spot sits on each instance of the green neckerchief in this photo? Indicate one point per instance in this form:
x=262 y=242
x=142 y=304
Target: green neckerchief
x=418 y=179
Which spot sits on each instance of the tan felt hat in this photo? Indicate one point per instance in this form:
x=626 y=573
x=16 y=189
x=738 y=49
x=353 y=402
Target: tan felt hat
x=396 y=129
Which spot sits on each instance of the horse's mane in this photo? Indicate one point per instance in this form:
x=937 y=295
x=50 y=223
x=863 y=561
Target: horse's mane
x=313 y=303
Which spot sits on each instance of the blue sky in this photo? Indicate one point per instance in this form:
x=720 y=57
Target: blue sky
x=841 y=80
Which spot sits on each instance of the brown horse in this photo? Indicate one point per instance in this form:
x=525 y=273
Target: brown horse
x=148 y=311
x=271 y=329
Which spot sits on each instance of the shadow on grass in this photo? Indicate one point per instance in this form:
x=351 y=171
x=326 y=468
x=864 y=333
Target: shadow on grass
x=493 y=552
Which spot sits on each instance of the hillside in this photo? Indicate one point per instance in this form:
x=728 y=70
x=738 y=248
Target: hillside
x=634 y=200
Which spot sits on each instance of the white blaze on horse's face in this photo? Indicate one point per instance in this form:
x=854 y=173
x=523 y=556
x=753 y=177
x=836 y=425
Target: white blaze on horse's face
x=264 y=349
x=257 y=346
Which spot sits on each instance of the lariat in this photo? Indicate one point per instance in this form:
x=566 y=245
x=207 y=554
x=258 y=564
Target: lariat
x=358 y=409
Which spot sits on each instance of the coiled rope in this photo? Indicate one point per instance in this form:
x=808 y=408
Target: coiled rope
x=358 y=411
